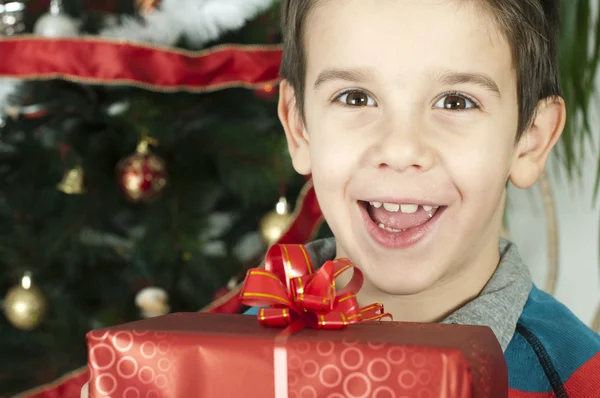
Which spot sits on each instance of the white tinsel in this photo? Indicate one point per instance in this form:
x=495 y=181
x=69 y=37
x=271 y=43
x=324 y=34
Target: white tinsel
x=8 y=87
x=199 y=21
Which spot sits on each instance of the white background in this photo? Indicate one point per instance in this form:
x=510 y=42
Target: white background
x=578 y=226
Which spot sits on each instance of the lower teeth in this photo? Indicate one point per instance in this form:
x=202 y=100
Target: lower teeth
x=391 y=229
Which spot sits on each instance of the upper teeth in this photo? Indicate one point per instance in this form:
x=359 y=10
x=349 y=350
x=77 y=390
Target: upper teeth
x=392 y=207
x=404 y=208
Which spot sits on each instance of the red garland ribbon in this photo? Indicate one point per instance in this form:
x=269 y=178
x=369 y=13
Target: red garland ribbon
x=295 y=293
x=100 y=61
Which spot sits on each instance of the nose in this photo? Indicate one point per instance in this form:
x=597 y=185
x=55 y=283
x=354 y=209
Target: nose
x=401 y=145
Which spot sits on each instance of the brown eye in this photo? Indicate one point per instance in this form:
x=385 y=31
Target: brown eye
x=455 y=102
x=356 y=99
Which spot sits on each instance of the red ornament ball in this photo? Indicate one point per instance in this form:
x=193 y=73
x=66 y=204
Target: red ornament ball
x=142 y=176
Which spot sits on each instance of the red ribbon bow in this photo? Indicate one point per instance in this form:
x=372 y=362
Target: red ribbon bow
x=293 y=291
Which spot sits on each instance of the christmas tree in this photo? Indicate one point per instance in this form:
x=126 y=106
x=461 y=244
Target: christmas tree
x=120 y=200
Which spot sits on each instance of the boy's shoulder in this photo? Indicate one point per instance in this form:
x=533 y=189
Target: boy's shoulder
x=552 y=349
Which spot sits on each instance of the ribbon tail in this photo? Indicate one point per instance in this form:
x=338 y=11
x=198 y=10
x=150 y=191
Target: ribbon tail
x=374 y=312
x=276 y=317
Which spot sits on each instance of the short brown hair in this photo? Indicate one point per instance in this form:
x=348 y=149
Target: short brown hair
x=531 y=27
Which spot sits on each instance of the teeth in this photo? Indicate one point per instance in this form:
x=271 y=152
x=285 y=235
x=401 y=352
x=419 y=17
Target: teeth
x=405 y=208
x=409 y=208
x=390 y=229
x=391 y=207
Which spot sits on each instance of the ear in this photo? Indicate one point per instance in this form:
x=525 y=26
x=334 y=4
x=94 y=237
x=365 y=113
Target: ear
x=537 y=141
x=297 y=138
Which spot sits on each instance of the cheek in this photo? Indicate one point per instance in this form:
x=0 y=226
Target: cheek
x=480 y=164
x=335 y=153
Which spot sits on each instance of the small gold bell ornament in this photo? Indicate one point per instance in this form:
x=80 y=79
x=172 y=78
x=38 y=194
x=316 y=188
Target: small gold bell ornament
x=72 y=182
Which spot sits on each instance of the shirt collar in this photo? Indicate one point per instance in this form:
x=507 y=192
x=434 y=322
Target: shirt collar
x=499 y=304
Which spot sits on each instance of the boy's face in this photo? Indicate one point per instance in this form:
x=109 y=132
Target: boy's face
x=409 y=102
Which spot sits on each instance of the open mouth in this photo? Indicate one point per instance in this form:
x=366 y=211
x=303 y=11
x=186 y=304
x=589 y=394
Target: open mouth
x=394 y=217
x=396 y=225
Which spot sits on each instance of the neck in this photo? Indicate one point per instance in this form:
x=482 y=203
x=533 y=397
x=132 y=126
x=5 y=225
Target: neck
x=441 y=299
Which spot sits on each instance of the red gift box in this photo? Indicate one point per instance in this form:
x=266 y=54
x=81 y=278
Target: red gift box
x=218 y=355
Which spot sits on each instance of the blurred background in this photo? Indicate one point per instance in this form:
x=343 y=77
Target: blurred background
x=122 y=200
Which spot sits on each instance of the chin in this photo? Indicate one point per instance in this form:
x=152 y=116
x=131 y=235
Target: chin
x=401 y=286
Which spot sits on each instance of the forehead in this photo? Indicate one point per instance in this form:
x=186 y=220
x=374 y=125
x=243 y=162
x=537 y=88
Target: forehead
x=400 y=38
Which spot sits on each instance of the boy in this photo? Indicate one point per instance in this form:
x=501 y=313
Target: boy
x=412 y=116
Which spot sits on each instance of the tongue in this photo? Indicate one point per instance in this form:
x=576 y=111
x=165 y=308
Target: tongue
x=400 y=220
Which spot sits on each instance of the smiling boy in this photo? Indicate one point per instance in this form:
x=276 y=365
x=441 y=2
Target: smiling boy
x=412 y=116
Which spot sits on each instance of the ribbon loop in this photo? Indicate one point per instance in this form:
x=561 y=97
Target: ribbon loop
x=297 y=294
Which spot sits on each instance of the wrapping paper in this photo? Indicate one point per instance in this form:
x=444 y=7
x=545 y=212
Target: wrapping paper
x=220 y=355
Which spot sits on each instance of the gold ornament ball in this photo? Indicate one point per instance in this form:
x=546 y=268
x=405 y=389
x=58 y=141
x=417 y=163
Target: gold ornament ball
x=143 y=175
x=275 y=223
x=25 y=308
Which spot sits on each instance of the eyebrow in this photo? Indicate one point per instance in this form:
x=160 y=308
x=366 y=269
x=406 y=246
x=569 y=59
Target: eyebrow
x=480 y=79
x=349 y=75
x=445 y=77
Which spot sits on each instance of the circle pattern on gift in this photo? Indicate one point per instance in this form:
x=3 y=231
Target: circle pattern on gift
x=119 y=337
x=310 y=368
x=293 y=379
x=419 y=360
x=396 y=355
x=163 y=347
x=325 y=369
x=95 y=356
x=164 y=365
x=349 y=343
x=425 y=394
x=98 y=335
x=375 y=346
x=325 y=378
x=371 y=369
x=424 y=376
x=152 y=394
x=127 y=367
x=161 y=381
x=352 y=358
x=303 y=347
x=384 y=392
x=294 y=362
x=148 y=349
x=308 y=392
x=325 y=351
x=131 y=392
x=407 y=379
x=146 y=375
x=357 y=385
x=106 y=383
